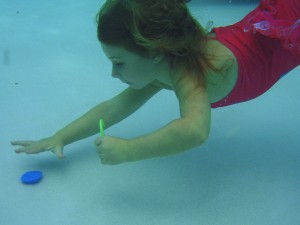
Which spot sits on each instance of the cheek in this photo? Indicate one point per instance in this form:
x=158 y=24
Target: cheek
x=148 y=70
x=137 y=71
x=140 y=71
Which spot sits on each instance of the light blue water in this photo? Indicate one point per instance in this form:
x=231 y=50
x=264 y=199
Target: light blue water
x=52 y=70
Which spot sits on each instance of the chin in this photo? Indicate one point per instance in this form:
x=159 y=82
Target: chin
x=136 y=87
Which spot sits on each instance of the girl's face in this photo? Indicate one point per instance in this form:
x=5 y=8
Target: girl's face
x=135 y=70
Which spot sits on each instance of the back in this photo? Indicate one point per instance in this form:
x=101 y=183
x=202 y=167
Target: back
x=262 y=60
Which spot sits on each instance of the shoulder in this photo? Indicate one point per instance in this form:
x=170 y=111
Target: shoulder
x=220 y=79
x=219 y=55
x=189 y=88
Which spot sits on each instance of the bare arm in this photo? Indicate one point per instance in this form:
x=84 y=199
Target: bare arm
x=189 y=131
x=112 y=111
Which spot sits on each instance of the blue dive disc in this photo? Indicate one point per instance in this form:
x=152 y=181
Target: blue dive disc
x=31 y=177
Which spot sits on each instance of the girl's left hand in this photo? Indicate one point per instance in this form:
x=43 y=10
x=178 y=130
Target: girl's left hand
x=111 y=150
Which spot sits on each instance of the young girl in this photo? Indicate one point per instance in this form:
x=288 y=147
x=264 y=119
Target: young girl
x=157 y=44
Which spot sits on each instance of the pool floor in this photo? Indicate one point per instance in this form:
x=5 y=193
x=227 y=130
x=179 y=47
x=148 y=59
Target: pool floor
x=52 y=71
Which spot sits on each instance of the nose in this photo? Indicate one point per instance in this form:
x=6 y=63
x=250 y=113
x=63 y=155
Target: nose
x=115 y=75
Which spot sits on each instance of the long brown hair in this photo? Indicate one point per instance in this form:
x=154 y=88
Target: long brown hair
x=159 y=26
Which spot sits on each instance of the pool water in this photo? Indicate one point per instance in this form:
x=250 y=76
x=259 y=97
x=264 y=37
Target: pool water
x=52 y=70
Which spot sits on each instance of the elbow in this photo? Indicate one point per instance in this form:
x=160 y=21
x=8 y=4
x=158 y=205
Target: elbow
x=193 y=133
x=199 y=136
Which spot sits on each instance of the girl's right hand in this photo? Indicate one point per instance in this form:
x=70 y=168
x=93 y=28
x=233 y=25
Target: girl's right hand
x=34 y=147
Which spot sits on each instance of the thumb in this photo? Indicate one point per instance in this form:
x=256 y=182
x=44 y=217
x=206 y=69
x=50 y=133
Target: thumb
x=58 y=151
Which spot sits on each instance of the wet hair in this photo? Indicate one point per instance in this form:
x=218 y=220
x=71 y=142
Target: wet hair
x=155 y=26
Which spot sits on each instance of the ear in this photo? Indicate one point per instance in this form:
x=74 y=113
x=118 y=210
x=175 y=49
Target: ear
x=156 y=58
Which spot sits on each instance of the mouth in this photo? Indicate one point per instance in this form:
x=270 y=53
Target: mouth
x=126 y=82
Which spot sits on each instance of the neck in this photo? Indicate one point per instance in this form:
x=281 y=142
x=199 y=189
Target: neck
x=164 y=73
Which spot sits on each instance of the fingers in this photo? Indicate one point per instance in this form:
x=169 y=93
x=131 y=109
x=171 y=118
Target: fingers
x=102 y=158
x=98 y=141
x=30 y=149
x=35 y=147
x=22 y=143
x=25 y=145
x=20 y=150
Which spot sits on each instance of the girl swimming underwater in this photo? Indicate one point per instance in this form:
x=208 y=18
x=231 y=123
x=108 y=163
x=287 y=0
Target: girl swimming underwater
x=157 y=44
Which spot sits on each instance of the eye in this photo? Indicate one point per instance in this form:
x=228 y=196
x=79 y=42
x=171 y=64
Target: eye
x=118 y=65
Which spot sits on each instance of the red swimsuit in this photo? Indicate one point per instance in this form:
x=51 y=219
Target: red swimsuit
x=266 y=44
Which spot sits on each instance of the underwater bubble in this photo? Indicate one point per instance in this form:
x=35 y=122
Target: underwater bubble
x=263 y=25
x=246 y=29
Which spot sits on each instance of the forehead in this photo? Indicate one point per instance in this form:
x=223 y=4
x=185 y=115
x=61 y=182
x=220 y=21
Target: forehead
x=112 y=51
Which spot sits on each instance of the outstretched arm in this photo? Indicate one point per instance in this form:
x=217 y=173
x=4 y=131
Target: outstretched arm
x=112 y=111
